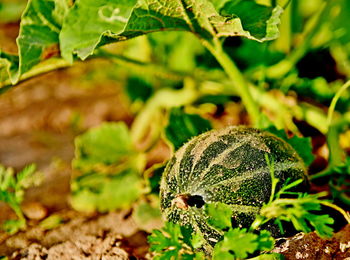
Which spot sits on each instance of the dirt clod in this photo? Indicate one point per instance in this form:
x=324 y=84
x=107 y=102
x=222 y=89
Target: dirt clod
x=311 y=247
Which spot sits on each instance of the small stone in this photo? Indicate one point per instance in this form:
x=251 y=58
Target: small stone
x=34 y=210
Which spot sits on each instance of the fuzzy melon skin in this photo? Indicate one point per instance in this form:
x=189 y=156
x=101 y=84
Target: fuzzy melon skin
x=228 y=166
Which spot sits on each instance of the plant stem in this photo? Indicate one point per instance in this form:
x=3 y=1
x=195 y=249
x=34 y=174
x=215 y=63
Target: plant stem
x=334 y=102
x=335 y=151
x=339 y=209
x=236 y=76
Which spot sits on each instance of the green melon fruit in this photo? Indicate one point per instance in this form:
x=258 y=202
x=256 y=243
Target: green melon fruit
x=228 y=166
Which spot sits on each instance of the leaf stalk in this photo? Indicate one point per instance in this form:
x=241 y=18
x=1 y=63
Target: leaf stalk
x=215 y=47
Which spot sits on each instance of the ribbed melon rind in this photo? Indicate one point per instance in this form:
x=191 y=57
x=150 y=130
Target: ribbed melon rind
x=229 y=166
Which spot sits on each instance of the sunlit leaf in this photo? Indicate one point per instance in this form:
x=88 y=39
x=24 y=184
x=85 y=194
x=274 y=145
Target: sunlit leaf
x=90 y=24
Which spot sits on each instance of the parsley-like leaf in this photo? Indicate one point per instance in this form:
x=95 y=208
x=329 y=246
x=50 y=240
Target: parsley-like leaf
x=299 y=211
x=248 y=243
x=12 y=188
x=175 y=241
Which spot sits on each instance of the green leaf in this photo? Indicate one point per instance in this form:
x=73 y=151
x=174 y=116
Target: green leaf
x=197 y=240
x=273 y=256
x=12 y=189
x=38 y=37
x=107 y=169
x=320 y=223
x=168 y=238
x=7 y=179
x=40 y=26
x=237 y=241
x=12 y=226
x=51 y=222
x=183 y=126
x=175 y=242
x=219 y=214
x=259 y=20
x=89 y=21
x=302 y=212
x=8 y=65
x=302 y=145
x=339 y=183
x=109 y=143
x=92 y=23
x=114 y=192
x=265 y=241
x=26 y=178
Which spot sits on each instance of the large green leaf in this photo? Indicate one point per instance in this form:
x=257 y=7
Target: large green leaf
x=38 y=37
x=90 y=24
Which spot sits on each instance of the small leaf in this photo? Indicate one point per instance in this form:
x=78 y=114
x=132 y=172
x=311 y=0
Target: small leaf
x=26 y=177
x=302 y=212
x=183 y=126
x=259 y=20
x=265 y=241
x=273 y=256
x=320 y=223
x=51 y=222
x=14 y=225
x=237 y=241
x=175 y=242
x=169 y=237
x=197 y=240
x=219 y=214
x=7 y=179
